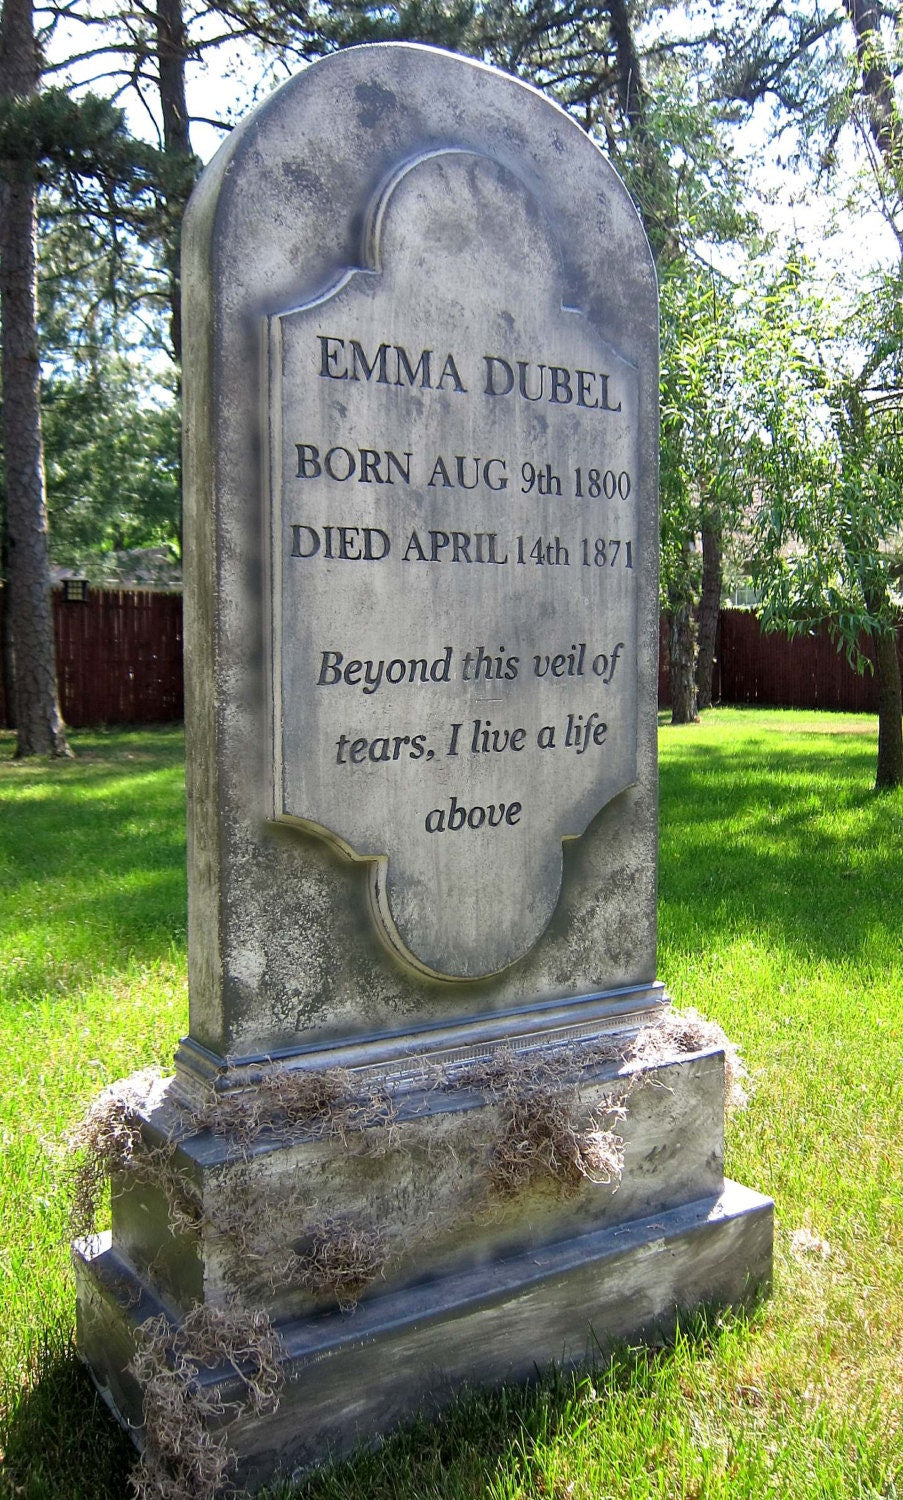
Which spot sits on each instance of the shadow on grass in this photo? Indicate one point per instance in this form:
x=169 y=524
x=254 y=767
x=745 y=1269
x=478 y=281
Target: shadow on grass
x=794 y=847
x=58 y=1440
x=61 y=1443
x=92 y=859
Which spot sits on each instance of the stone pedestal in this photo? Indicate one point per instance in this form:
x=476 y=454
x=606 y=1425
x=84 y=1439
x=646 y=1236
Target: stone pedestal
x=460 y=1279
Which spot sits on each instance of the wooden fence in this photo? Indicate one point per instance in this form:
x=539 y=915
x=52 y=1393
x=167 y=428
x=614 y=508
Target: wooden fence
x=118 y=657
x=119 y=660
x=770 y=670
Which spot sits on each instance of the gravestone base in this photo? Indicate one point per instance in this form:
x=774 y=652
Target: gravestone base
x=351 y=1378
x=477 y=1283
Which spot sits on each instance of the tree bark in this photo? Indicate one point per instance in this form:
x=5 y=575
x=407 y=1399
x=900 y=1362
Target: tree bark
x=39 y=723
x=172 y=46
x=877 y=82
x=6 y=664
x=890 y=711
x=709 y=609
x=681 y=664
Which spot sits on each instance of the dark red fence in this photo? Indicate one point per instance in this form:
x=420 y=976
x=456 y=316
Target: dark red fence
x=118 y=657
x=807 y=672
x=119 y=660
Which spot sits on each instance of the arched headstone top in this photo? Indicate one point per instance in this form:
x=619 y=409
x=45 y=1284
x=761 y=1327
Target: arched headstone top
x=330 y=143
x=421 y=350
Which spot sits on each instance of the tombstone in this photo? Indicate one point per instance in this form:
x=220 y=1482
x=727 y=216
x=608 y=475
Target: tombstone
x=421 y=646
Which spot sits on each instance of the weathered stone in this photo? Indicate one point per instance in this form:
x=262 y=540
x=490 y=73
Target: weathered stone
x=467 y=216
x=350 y=1379
x=421 y=635
x=454 y=611
x=418 y=1176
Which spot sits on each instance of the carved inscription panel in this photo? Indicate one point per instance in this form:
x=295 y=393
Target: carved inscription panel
x=455 y=484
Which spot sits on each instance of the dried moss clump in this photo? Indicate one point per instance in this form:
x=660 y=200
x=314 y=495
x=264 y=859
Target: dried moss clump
x=182 y=1458
x=108 y=1140
x=340 y=1259
x=318 y=1102
x=279 y=1102
x=688 y=1031
x=305 y=1098
x=543 y=1141
x=547 y=1135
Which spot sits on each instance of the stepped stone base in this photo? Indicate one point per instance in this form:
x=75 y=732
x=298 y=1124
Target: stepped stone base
x=476 y=1286
x=350 y=1378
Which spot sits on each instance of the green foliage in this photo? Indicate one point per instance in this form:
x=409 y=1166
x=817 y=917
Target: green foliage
x=110 y=422
x=794 y=58
x=61 y=140
x=828 y=461
x=110 y=430
x=459 y=25
x=100 y=293
x=781 y=887
x=111 y=456
x=696 y=197
x=705 y=420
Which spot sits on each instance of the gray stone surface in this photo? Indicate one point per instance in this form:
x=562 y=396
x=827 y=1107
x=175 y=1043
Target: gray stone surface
x=476 y=1288
x=384 y=265
x=422 y=1186
x=457 y=211
x=454 y=610
x=350 y=1379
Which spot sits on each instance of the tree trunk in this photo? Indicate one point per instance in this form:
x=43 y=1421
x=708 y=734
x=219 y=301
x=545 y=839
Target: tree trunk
x=6 y=663
x=39 y=723
x=681 y=664
x=709 y=609
x=890 y=712
x=172 y=45
x=172 y=48
x=9 y=678
x=877 y=82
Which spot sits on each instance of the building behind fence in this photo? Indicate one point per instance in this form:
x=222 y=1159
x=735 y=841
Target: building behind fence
x=119 y=661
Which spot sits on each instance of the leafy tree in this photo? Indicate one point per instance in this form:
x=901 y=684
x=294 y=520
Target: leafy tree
x=83 y=149
x=829 y=73
x=829 y=519
x=829 y=513
x=112 y=466
x=706 y=427
x=140 y=52
x=110 y=415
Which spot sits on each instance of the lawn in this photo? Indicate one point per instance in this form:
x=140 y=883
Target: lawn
x=781 y=909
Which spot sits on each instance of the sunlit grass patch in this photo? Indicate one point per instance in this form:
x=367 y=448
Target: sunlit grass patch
x=92 y=980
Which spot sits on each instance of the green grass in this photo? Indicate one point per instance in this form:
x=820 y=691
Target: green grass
x=781 y=910
x=92 y=985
